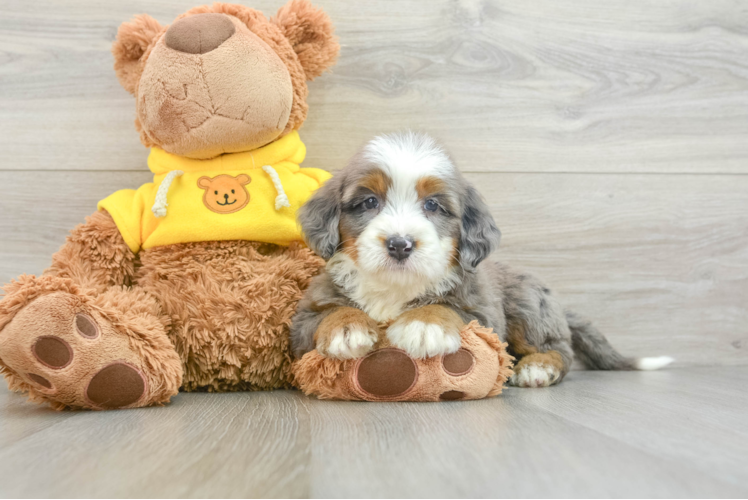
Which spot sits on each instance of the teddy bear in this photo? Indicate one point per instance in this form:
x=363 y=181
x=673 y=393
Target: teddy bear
x=189 y=281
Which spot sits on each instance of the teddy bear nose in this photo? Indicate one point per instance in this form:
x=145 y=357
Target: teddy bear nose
x=199 y=33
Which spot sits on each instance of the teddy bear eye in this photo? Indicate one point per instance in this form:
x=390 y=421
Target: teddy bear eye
x=232 y=191
x=215 y=192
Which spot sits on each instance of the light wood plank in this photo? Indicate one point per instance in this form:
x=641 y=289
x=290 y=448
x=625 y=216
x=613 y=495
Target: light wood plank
x=596 y=435
x=684 y=410
x=659 y=262
x=585 y=86
x=236 y=445
x=508 y=447
x=20 y=419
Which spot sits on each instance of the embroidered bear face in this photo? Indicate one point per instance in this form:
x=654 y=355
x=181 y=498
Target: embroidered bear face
x=225 y=194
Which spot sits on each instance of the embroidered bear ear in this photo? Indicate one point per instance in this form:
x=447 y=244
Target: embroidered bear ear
x=131 y=49
x=311 y=34
x=243 y=179
x=204 y=182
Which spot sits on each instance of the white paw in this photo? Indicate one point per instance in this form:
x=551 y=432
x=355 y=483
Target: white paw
x=423 y=340
x=349 y=342
x=534 y=375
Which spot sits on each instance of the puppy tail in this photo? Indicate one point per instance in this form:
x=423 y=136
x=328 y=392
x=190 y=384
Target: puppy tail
x=595 y=352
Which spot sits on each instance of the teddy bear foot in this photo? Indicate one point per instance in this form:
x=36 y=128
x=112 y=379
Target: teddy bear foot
x=477 y=370
x=62 y=348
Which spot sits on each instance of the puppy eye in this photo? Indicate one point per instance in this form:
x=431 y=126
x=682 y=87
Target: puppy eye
x=431 y=205
x=371 y=203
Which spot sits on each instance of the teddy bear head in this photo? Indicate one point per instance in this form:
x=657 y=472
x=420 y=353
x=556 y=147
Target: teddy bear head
x=222 y=78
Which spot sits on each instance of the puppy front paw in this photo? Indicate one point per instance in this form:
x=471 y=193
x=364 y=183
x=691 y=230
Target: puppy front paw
x=423 y=340
x=347 y=342
x=347 y=333
x=428 y=331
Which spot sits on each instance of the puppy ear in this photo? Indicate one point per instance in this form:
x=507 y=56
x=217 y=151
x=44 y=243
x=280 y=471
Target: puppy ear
x=310 y=32
x=479 y=235
x=320 y=218
x=133 y=39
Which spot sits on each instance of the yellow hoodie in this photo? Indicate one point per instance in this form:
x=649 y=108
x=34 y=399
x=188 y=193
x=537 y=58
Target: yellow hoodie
x=236 y=196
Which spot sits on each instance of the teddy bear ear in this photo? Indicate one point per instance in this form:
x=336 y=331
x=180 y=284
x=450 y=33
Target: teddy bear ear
x=133 y=39
x=311 y=34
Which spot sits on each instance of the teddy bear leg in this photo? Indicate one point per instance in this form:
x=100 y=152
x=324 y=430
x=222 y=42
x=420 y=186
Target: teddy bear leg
x=478 y=369
x=95 y=255
x=74 y=348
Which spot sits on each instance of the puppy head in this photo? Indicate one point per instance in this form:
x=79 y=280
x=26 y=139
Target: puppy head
x=401 y=207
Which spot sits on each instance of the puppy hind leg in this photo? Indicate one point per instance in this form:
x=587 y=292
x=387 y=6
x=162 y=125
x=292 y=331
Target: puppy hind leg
x=538 y=336
x=537 y=366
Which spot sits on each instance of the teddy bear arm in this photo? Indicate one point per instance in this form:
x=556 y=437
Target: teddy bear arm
x=95 y=255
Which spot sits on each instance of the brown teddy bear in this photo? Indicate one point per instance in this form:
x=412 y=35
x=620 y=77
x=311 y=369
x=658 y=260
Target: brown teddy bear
x=189 y=281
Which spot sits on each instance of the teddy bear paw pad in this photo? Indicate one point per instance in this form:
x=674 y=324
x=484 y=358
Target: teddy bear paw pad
x=86 y=326
x=458 y=363
x=52 y=352
x=46 y=384
x=116 y=386
x=73 y=355
x=452 y=395
x=386 y=373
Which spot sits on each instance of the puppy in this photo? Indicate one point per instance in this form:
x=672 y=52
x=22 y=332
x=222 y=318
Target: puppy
x=406 y=239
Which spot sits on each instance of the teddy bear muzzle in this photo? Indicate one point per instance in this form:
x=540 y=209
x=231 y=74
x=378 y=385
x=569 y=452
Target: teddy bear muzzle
x=199 y=33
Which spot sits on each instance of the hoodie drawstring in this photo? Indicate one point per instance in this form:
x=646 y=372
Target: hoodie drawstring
x=159 y=206
x=281 y=200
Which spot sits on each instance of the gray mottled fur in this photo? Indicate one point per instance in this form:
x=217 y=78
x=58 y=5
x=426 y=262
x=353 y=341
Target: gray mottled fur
x=494 y=294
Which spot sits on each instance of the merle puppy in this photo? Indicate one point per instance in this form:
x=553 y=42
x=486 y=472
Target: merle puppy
x=406 y=239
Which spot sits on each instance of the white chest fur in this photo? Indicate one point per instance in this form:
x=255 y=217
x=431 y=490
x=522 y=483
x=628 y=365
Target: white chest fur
x=382 y=296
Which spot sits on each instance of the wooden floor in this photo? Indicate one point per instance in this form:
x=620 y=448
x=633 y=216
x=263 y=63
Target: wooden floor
x=675 y=433
x=610 y=139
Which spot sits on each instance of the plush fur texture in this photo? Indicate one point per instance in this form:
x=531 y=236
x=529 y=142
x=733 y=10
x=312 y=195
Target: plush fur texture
x=95 y=255
x=134 y=328
x=230 y=306
x=404 y=232
x=197 y=105
x=330 y=378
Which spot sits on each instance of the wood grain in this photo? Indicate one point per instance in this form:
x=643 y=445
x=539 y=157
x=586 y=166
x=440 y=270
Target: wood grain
x=658 y=261
x=237 y=445
x=517 y=446
x=585 y=86
x=675 y=433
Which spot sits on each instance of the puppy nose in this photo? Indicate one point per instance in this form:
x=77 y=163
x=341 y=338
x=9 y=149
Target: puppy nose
x=398 y=247
x=199 y=33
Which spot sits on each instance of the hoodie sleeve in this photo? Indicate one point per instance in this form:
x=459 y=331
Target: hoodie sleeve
x=319 y=175
x=126 y=208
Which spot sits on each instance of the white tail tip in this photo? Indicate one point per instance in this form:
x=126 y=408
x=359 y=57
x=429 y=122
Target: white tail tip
x=654 y=363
